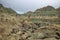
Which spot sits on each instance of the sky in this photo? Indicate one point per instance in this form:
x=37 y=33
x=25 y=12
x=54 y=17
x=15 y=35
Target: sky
x=22 y=6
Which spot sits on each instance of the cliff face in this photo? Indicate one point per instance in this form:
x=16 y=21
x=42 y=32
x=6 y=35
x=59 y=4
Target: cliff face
x=43 y=24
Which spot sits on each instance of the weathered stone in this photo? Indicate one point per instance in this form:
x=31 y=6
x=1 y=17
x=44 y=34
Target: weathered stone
x=50 y=39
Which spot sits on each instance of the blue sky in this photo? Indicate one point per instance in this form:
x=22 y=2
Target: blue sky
x=29 y=5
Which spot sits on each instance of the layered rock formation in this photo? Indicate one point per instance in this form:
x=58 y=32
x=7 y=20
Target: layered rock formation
x=43 y=24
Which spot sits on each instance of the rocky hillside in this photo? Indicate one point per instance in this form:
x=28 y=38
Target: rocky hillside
x=45 y=14
x=43 y=24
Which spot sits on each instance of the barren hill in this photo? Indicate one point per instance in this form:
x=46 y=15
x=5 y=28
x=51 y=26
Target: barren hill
x=43 y=24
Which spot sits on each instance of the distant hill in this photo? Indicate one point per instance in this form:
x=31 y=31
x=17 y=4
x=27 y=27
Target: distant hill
x=43 y=14
x=48 y=10
x=6 y=10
